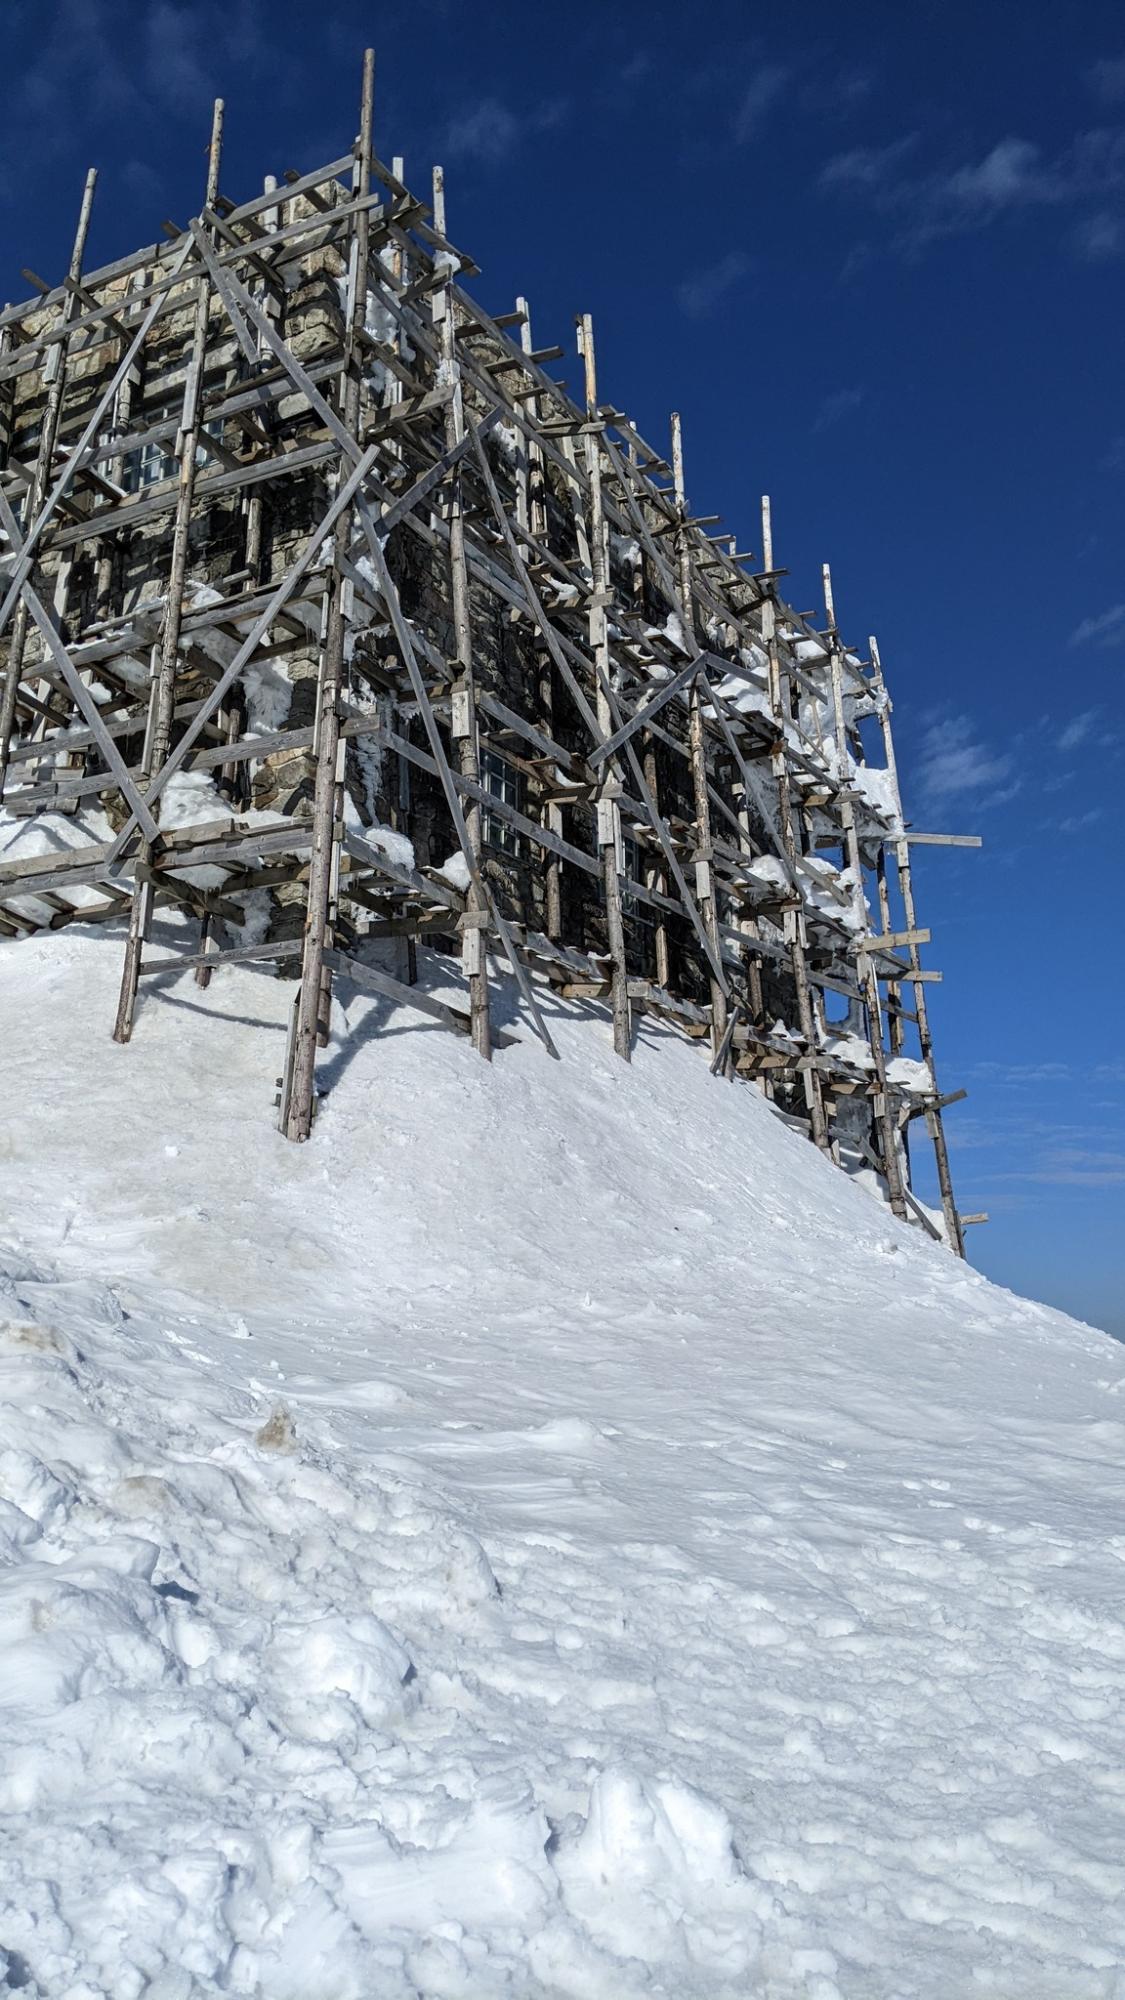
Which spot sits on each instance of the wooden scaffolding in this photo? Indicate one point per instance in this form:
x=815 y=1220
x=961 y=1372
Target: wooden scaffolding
x=328 y=617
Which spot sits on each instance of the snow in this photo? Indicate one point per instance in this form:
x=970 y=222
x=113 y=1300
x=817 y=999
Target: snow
x=455 y=869
x=510 y=440
x=387 y=840
x=877 y=787
x=747 y=690
x=673 y=631
x=854 y=1049
x=26 y=838
x=910 y=1074
x=770 y=873
x=269 y=696
x=829 y=892
x=551 y=1535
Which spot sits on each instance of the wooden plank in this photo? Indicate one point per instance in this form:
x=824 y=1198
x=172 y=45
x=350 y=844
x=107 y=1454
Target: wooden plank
x=892 y=940
x=397 y=510
x=934 y=839
x=402 y=635
x=136 y=512
x=424 y=887
x=66 y=476
x=555 y=649
x=370 y=979
x=245 y=652
x=80 y=693
x=240 y=955
x=642 y=715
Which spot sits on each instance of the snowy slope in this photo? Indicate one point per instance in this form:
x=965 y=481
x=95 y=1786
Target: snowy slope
x=551 y=1535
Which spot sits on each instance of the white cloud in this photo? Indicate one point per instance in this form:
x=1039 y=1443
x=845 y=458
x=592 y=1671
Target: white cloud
x=758 y=99
x=175 y=56
x=870 y=167
x=490 y=132
x=1106 y=630
x=1078 y=729
x=79 y=51
x=1099 y=237
x=1076 y=1166
x=954 y=763
x=1012 y=177
x=1009 y=173
x=1021 y=1073
x=839 y=404
x=1107 y=79
x=700 y=293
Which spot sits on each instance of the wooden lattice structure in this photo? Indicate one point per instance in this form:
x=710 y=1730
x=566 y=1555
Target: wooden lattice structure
x=330 y=619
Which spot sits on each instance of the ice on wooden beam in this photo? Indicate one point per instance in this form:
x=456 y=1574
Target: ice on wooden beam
x=334 y=627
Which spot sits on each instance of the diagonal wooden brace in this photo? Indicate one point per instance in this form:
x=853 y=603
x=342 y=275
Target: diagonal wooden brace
x=406 y=644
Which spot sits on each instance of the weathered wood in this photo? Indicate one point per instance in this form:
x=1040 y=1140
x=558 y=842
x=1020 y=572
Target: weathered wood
x=159 y=736
x=642 y=716
x=918 y=978
x=474 y=959
x=896 y=1184
x=371 y=979
x=279 y=597
x=402 y=634
x=243 y=954
x=913 y=839
x=314 y=997
x=607 y=807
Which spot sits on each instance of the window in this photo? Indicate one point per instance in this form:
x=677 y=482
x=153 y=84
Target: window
x=633 y=866
x=150 y=463
x=147 y=466
x=502 y=780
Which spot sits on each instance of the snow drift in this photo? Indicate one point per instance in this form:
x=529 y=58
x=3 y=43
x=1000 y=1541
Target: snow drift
x=550 y=1536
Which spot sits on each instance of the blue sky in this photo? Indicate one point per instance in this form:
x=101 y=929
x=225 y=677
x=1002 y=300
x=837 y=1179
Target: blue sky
x=876 y=256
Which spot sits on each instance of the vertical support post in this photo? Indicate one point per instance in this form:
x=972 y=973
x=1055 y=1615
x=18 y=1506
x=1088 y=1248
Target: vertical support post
x=610 y=845
x=55 y=376
x=159 y=737
x=865 y=970
x=393 y=392
x=655 y=873
x=313 y=1001
x=531 y=509
x=895 y=1033
x=934 y=1123
x=269 y=219
x=119 y=421
x=697 y=744
x=465 y=727
x=749 y=927
x=655 y=876
x=794 y=917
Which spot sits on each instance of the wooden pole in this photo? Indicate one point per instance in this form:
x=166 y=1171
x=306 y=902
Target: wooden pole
x=865 y=969
x=313 y=998
x=704 y=850
x=934 y=1122
x=474 y=958
x=532 y=504
x=607 y=808
x=164 y=692
x=55 y=372
x=794 y=923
